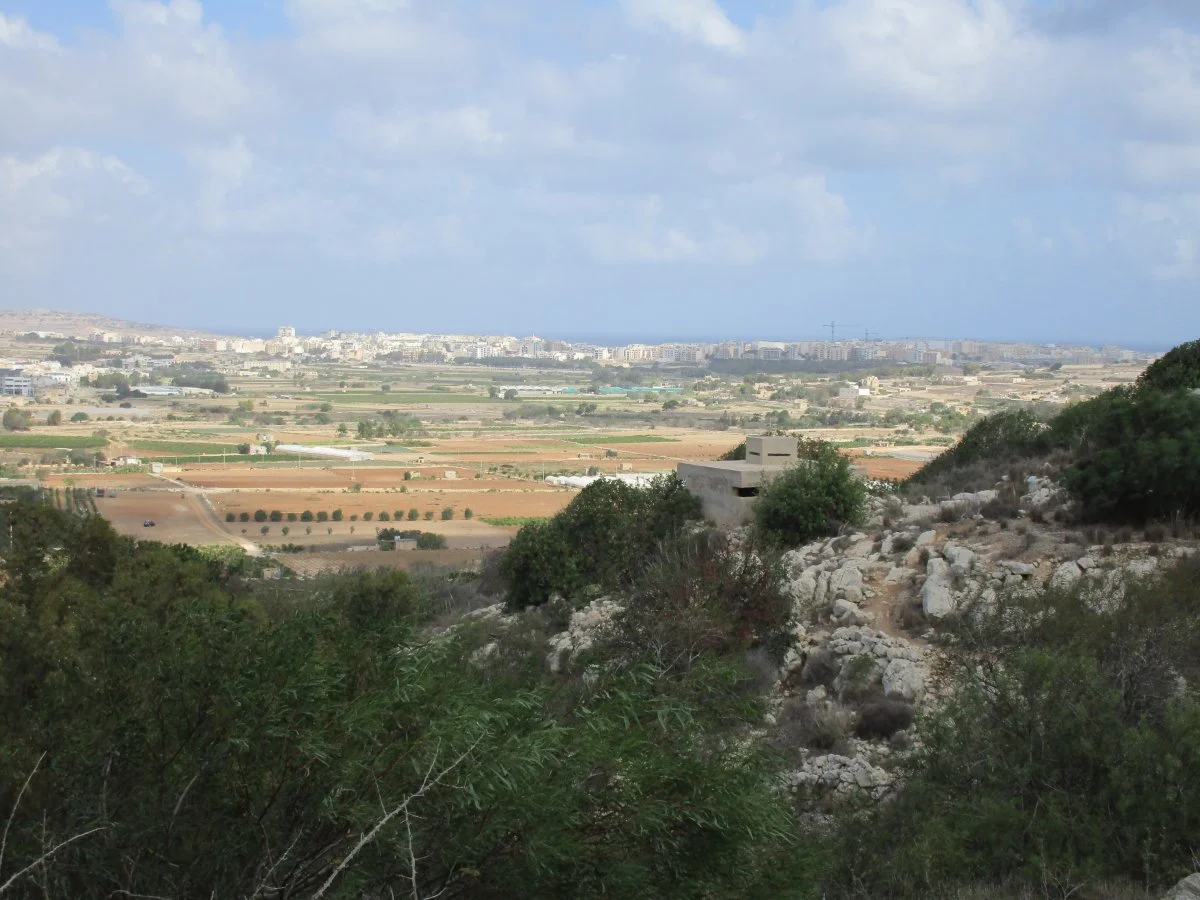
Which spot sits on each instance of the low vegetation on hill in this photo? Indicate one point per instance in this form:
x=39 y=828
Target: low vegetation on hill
x=628 y=703
x=1131 y=454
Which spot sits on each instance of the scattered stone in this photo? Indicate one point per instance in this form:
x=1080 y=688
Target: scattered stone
x=925 y=538
x=1086 y=563
x=1017 y=568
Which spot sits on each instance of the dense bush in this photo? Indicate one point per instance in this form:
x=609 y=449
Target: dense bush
x=189 y=734
x=603 y=538
x=812 y=499
x=699 y=594
x=427 y=540
x=260 y=515
x=1067 y=749
x=1000 y=437
x=1177 y=370
x=1144 y=459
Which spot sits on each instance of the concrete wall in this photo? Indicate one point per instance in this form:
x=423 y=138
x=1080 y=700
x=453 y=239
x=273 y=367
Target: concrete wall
x=727 y=490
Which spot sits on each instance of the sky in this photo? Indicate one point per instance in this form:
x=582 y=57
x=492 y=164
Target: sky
x=994 y=169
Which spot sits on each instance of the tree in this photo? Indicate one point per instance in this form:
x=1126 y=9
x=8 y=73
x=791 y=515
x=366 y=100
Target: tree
x=510 y=394
x=265 y=529
x=230 y=517
x=384 y=516
x=429 y=515
x=276 y=516
x=54 y=418
x=286 y=530
x=468 y=513
x=15 y=419
x=447 y=514
x=602 y=538
x=323 y=516
x=244 y=517
x=368 y=516
x=260 y=515
x=306 y=516
x=414 y=514
x=337 y=515
x=812 y=499
x=291 y=517
x=80 y=417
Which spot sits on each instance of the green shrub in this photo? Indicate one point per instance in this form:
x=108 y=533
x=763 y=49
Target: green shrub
x=1000 y=437
x=427 y=540
x=306 y=516
x=447 y=514
x=260 y=515
x=337 y=515
x=468 y=513
x=1177 y=370
x=367 y=516
x=276 y=515
x=812 y=499
x=1143 y=459
x=1065 y=749
x=602 y=538
x=322 y=516
x=244 y=517
x=414 y=514
x=230 y=517
x=384 y=516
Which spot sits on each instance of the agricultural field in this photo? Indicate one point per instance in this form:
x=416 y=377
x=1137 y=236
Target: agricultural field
x=445 y=441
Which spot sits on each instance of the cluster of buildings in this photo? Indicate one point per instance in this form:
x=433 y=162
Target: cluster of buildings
x=287 y=348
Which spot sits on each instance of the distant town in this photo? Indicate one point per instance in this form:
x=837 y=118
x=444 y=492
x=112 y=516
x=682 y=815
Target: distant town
x=89 y=353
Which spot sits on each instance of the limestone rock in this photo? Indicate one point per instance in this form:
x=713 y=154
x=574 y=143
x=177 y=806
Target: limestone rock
x=1066 y=576
x=1015 y=567
x=847 y=613
x=586 y=625
x=904 y=680
x=925 y=538
x=937 y=596
x=1188 y=889
x=960 y=558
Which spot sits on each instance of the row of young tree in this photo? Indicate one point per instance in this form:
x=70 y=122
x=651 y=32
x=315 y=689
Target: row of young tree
x=412 y=515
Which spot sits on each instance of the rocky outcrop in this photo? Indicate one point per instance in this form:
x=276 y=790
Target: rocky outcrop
x=937 y=594
x=1188 y=889
x=586 y=625
x=844 y=775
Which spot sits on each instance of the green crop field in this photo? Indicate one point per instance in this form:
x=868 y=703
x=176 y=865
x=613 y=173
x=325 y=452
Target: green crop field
x=193 y=448
x=52 y=441
x=512 y=521
x=399 y=398
x=620 y=439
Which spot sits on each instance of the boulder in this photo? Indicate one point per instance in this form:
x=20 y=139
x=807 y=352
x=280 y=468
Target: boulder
x=904 y=680
x=925 y=538
x=1188 y=889
x=937 y=595
x=848 y=577
x=960 y=558
x=847 y=613
x=1066 y=576
x=1086 y=563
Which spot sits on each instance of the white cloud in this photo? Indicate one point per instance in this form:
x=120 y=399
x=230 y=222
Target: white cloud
x=63 y=191
x=16 y=33
x=696 y=20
